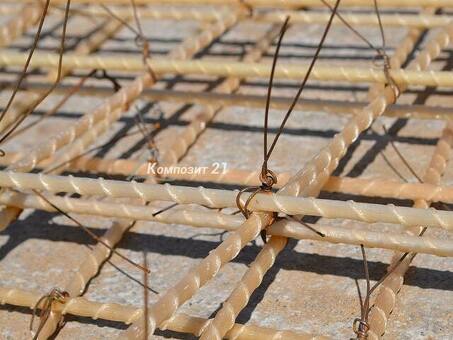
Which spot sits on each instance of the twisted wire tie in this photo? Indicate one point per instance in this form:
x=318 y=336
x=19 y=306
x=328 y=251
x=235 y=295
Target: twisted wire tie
x=361 y=328
x=55 y=295
x=386 y=68
x=268 y=178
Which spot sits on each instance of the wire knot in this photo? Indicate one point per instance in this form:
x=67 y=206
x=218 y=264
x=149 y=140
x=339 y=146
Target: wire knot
x=55 y=295
x=361 y=328
x=104 y=75
x=386 y=68
x=140 y=41
x=268 y=178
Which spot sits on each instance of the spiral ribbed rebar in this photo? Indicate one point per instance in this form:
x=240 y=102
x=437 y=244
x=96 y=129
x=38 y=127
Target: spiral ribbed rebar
x=215 y=198
x=212 y=14
x=135 y=212
x=183 y=323
x=203 y=218
x=386 y=298
x=239 y=298
x=233 y=69
x=371 y=187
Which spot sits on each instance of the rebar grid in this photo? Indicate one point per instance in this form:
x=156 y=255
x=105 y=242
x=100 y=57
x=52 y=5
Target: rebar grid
x=311 y=185
x=90 y=267
x=308 y=181
x=67 y=149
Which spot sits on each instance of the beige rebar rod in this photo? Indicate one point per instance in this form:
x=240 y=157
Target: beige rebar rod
x=203 y=218
x=239 y=297
x=186 y=216
x=372 y=187
x=182 y=323
x=369 y=239
x=386 y=298
x=260 y=70
x=90 y=267
x=268 y=3
x=19 y=24
x=188 y=324
x=225 y=318
x=233 y=69
x=172 y=12
x=258 y=101
x=215 y=198
x=306 y=17
x=25 y=100
x=353 y=186
x=179 y=145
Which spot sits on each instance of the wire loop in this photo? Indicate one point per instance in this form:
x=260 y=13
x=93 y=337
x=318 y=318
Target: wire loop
x=55 y=295
x=268 y=178
x=361 y=328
